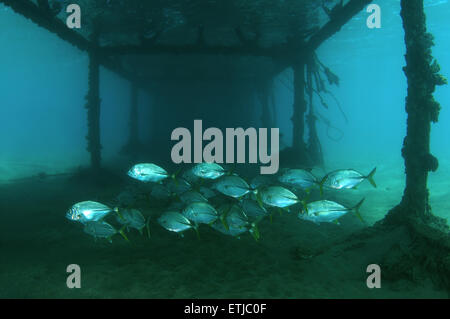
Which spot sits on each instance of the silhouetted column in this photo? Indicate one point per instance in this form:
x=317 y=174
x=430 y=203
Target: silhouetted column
x=263 y=95
x=134 y=115
x=314 y=147
x=133 y=144
x=93 y=109
x=298 y=117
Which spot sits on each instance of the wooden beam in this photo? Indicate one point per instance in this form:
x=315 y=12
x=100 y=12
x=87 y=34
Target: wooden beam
x=338 y=20
x=194 y=49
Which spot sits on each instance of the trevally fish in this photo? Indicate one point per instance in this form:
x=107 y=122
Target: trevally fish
x=101 y=229
x=147 y=172
x=346 y=178
x=161 y=192
x=325 y=211
x=261 y=181
x=298 y=177
x=235 y=223
x=88 y=211
x=176 y=206
x=206 y=192
x=175 y=222
x=252 y=209
x=276 y=196
x=132 y=218
x=192 y=197
x=208 y=170
x=189 y=176
x=178 y=186
x=200 y=212
x=232 y=185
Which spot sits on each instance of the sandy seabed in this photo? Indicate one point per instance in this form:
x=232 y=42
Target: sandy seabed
x=38 y=243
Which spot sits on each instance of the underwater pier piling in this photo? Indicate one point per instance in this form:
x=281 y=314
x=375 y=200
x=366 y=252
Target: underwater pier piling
x=263 y=92
x=422 y=73
x=93 y=107
x=132 y=147
x=298 y=117
x=314 y=147
x=429 y=235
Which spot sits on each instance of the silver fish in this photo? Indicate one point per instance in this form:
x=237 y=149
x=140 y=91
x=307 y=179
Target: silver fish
x=206 y=192
x=201 y=213
x=131 y=218
x=192 y=197
x=101 y=229
x=277 y=196
x=161 y=192
x=346 y=178
x=190 y=176
x=325 y=211
x=88 y=211
x=232 y=185
x=175 y=222
x=252 y=209
x=147 y=172
x=299 y=178
x=234 y=222
x=261 y=181
x=178 y=186
x=208 y=170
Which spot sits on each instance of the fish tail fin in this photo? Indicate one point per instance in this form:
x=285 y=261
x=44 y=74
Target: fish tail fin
x=231 y=170
x=121 y=232
x=356 y=209
x=370 y=177
x=304 y=206
x=174 y=176
x=259 y=200
x=254 y=231
x=147 y=226
x=305 y=199
x=223 y=218
x=321 y=183
x=195 y=228
x=117 y=211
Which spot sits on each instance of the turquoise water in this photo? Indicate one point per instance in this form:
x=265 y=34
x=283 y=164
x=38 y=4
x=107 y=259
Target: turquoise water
x=43 y=161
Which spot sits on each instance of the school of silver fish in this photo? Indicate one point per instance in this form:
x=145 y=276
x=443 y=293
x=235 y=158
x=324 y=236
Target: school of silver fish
x=240 y=207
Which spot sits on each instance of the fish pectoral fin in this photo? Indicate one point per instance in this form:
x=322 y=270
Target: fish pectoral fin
x=336 y=222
